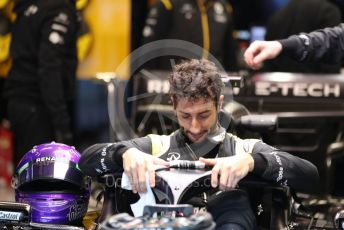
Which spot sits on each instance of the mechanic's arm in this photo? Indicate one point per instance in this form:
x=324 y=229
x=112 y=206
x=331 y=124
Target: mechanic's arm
x=58 y=46
x=283 y=168
x=325 y=45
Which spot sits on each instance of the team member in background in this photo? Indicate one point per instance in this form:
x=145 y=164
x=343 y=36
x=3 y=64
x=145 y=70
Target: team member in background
x=206 y=23
x=325 y=45
x=196 y=93
x=40 y=85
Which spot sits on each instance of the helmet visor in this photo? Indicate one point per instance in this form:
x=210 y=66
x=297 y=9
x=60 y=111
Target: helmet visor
x=50 y=170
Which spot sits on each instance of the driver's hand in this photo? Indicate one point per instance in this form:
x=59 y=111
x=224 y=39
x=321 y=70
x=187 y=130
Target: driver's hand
x=259 y=51
x=228 y=171
x=136 y=163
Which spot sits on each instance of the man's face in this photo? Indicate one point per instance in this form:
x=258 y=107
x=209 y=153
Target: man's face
x=196 y=117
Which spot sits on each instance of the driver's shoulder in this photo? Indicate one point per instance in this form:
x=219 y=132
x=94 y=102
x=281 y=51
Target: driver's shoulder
x=242 y=145
x=160 y=143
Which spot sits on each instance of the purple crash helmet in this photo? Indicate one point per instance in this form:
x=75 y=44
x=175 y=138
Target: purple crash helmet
x=49 y=179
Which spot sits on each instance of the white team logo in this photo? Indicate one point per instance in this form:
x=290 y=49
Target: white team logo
x=218 y=8
x=220 y=15
x=173 y=156
x=31 y=10
x=147 y=31
x=56 y=38
x=187 y=10
x=153 y=12
x=62 y=18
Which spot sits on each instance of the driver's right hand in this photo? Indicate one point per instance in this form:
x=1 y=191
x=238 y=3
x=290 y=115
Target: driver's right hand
x=136 y=163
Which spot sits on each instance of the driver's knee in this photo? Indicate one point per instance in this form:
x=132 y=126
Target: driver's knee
x=232 y=208
x=241 y=220
x=230 y=226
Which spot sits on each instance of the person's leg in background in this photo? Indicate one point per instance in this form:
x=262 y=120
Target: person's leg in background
x=31 y=126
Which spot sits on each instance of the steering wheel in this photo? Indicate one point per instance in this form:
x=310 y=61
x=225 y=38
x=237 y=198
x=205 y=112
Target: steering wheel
x=186 y=179
x=177 y=184
x=173 y=191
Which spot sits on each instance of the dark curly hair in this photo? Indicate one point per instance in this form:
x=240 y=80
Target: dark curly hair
x=195 y=79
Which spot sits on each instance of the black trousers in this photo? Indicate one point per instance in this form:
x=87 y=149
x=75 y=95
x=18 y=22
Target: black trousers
x=230 y=227
x=231 y=210
x=31 y=125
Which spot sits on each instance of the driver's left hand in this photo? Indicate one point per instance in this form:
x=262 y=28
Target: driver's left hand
x=228 y=171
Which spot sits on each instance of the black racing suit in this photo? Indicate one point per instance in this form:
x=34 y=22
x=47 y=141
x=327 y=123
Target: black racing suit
x=40 y=85
x=326 y=45
x=208 y=25
x=270 y=164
